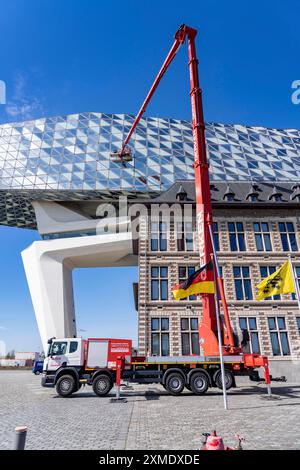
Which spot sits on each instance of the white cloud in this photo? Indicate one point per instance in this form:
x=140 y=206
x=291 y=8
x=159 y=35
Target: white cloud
x=22 y=105
x=3 y=328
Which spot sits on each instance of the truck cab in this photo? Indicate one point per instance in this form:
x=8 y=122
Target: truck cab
x=64 y=352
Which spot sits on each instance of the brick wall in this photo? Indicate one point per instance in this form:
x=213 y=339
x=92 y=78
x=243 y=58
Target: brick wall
x=260 y=310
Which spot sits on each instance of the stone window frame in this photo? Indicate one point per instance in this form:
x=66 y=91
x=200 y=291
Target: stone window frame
x=189 y=331
x=279 y=330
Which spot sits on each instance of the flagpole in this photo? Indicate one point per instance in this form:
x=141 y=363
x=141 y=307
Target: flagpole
x=296 y=285
x=216 y=267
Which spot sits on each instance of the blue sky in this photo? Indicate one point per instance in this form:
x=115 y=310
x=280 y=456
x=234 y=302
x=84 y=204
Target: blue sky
x=61 y=57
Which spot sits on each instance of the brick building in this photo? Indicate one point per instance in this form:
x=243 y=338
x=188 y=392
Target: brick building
x=256 y=227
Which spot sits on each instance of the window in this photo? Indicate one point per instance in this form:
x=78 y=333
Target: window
x=216 y=236
x=288 y=236
x=73 y=346
x=242 y=282
x=160 y=342
x=262 y=236
x=236 y=236
x=159 y=236
x=185 y=236
x=159 y=283
x=58 y=348
x=184 y=272
x=297 y=276
x=189 y=336
x=266 y=271
x=250 y=324
x=279 y=336
x=298 y=324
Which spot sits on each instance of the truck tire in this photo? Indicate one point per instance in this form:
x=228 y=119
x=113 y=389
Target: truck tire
x=175 y=383
x=229 y=379
x=102 y=385
x=65 y=385
x=37 y=372
x=199 y=383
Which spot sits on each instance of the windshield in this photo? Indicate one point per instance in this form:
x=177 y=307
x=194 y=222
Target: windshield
x=58 y=348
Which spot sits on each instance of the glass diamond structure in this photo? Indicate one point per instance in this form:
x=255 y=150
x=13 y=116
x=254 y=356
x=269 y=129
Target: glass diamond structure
x=68 y=158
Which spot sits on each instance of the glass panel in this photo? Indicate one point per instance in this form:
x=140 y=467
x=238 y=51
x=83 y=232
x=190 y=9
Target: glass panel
x=293 y=242
x=238 y=289
x=239 y=227
x=155 y=343
x=267 y=239
x=184 y=323
x=259 y=243
x=243 y=323
x=284 y=344
x=281 y=323
x=58 y=348
x=163 y=243
x=242 y=244
x=248 y=290
x=275 y=344
x=163 y=272
x=290 y=226
x=154 y=324
x=154 y=271
x=154 y=290
x=284 y=241
x=252 y=323
x=265 y=227
x=233 y=244
x=194 y=324
x=281 y=227
x=182 y=272
x=195 y=343
x=165 y=324
x=154 y=244
x=255 y=343
x=263 y=271
x=272 y=323
x=185 y=343
x=231 y=227
x=191 y=270
x=256 y=227
x=73 y=346
x=298 y=322
x=236 y=271
x=245 y=270
x=189 y=242
x=164 y=290
x=165 y=349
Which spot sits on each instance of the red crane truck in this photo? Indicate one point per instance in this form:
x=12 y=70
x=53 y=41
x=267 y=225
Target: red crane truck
x=101 y=362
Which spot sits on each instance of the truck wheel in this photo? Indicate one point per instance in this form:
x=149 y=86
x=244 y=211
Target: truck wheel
x=175 y=383
x=37 y=372
x=229 y=380
x=199 y=383
x=102 y=385
x=65 y=385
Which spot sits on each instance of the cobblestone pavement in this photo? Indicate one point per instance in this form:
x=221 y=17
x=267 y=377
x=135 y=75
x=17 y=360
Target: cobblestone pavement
x=150 y=419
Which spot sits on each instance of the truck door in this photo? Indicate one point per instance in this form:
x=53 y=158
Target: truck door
x=57 y=354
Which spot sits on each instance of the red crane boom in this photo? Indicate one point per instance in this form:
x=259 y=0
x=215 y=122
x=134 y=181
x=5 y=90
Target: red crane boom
x=208 y=326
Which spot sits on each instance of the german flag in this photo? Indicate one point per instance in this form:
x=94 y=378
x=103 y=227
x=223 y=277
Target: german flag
x=195 y=284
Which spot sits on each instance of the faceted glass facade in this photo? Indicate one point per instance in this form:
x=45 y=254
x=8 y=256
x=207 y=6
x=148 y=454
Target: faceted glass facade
x=73 y=152
x=68 y=157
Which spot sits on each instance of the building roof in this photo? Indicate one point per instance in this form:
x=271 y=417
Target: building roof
x=68 y=158
x=243 y=192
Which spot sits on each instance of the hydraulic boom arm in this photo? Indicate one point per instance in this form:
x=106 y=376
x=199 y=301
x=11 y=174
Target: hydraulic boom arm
x=208 y=327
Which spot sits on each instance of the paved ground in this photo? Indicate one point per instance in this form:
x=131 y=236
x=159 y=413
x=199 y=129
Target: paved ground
x=152 y=420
